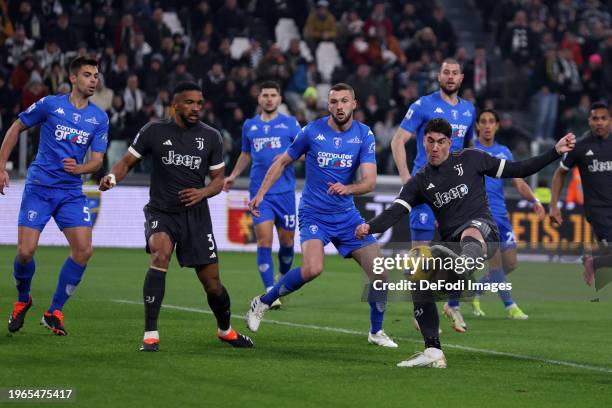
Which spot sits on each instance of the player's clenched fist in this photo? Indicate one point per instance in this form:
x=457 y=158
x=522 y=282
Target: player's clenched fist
x=70 y=166
x=107 y=182
x=566 y=143
x=4 y=180
x=362 y=231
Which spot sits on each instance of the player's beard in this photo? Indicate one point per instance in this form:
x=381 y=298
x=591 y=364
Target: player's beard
x=270 y=111
x=449 y=92
x=341 y=123
x=185 y=120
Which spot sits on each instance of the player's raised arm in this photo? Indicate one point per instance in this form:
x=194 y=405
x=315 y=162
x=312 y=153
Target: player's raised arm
x=525 y=191
x=10 y=140
x=494 y=167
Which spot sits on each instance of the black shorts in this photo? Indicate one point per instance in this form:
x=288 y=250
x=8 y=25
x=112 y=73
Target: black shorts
x=487 y=228
x=602 y=226
x=190 y=230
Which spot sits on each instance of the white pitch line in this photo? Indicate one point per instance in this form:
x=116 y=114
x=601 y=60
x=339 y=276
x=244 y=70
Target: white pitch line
x=355 y=332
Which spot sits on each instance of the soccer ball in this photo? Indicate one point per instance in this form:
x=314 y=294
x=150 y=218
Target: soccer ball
x=420 y=261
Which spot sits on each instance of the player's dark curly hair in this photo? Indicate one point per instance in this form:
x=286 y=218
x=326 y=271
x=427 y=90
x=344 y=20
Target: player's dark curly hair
x=491 y=111
x=186 y=86
x=439 y=125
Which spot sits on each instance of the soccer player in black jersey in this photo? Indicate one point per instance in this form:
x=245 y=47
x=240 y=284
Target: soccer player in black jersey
x=453 y=185
x=593 y=156
x=184 y=151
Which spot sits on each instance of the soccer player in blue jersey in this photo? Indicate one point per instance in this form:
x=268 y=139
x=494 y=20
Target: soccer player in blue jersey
x=504 y=261
x=70 y=125
x=264 y=138
x=461 y=114
x=335 y=148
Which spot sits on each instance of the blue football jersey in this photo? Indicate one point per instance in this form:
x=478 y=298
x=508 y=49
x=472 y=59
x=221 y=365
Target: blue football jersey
x=460 y=116
x=264 y=141
x=331 y=157
x=495 y=186
x=65 y=132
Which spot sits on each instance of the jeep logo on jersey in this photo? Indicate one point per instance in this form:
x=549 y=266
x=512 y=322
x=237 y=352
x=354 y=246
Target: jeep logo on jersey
x=73 y=135
x=600 y=166
x=266 y=142
x=325 y=159
x=456 y=192
x=193 y=162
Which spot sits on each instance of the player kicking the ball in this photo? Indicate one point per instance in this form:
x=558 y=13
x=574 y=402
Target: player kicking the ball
x=453 y=185
x=184 y=151
x=69 y=126
x=335 y=146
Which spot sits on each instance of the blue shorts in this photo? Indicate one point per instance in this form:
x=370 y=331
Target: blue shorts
x=337 y=228
x=279 y=208
x=68 y=207
x=422 y=223
x=506 y=234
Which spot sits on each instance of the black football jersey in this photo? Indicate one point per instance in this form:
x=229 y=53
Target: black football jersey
x=593 y=156
x=181 y=158
x=455 y=190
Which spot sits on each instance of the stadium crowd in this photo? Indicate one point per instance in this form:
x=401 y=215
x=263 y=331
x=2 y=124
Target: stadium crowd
x=553 y=55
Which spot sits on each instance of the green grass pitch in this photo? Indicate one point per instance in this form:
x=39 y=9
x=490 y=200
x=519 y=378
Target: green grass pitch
x=315 y=355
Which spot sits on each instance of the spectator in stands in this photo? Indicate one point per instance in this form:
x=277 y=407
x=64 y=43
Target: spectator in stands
x=180 y=74
x=512 y=136
x=201 y=60
x=384 y=49
x=320 y=25
x=358 y=52
x=476 y=73
x=161 y=106
x=6 y=28
x=55 y=76
x=169 y=54
x=372 y=110
x=443 y=30
x=100 y=35
x=118 y=75
x=230 y=20
x=224 y=55
x=376 y=20
x=384 y=131
x=22 y=73
x=200 y=16
x=214 y=83
x=117 y=136
x=8 y=104
x=407 y=24
x=273 y=66
x=349 y=26
x=156 y=29
x=124 y=33
x=33 y=91
x=575 y=119
x=606 y=53
x=50 y=54
x=139 y=53
x=425 y=41
x=28 y=20
x=17 y=46
x=548 y=78
x=103 y=97
x=64 y=35
x=518 y=45
x=133 y=97
x=154 y=78
x=593 y=78
x=363 y=83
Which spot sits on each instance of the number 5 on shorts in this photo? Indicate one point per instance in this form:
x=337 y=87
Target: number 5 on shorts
x=87 y=214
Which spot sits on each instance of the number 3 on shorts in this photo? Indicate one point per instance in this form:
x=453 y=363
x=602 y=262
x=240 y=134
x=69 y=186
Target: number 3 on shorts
x=212 y=242
x=289 y=221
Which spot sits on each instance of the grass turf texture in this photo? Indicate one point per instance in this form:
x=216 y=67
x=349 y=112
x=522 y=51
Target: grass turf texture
x=298 y=366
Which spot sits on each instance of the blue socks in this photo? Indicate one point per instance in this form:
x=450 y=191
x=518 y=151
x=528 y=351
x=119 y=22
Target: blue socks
x=69 y=278
x=285 y=259
x=265 y=266
x=453 y=298
x=23 y=274
x=498 y=276
x=289 y=282
x=378 y=304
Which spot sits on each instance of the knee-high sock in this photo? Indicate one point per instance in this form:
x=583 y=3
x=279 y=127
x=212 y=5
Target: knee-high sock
x=290 y=282
x=220 y=306
x=426 y=315
x=498 y=276
x=265 y=266
x=23 y=274
x=153 y=294
x=69 y=278
x=285 y=259
x=378 y=304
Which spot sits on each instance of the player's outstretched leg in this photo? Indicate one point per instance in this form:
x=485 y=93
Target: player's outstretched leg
x=219 y=302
